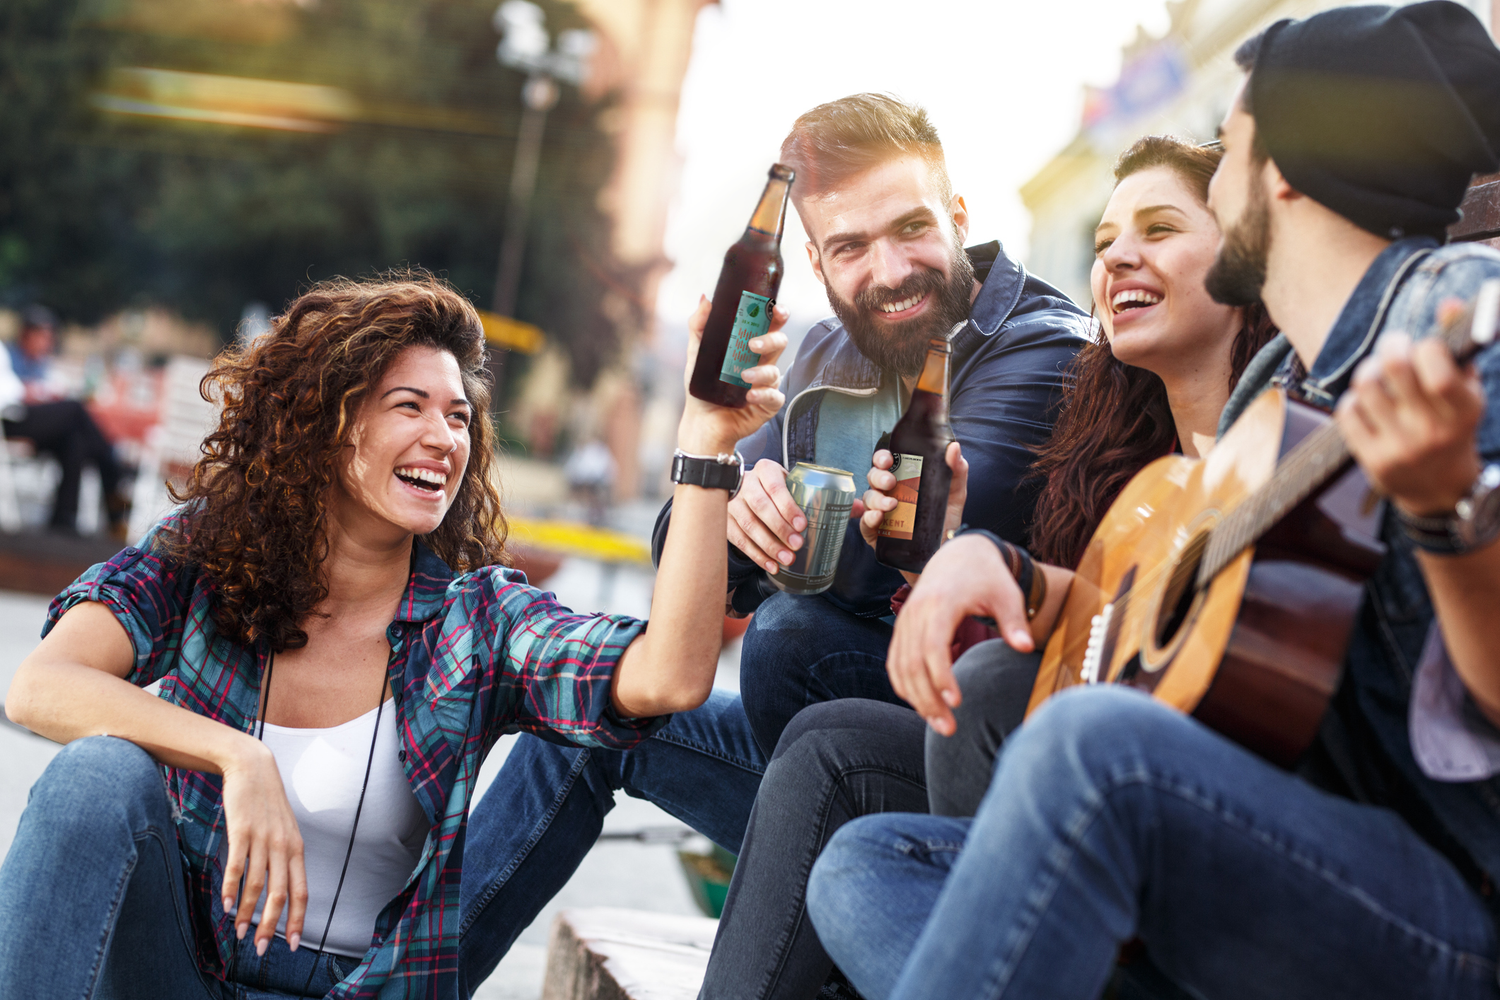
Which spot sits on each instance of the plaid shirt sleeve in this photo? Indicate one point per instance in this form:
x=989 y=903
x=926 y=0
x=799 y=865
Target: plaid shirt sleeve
x=148 y=597
x=551 y=668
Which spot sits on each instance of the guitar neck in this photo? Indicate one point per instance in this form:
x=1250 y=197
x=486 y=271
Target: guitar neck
x=1323 y=455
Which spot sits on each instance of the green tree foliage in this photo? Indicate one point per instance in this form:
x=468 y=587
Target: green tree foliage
x=101 y=210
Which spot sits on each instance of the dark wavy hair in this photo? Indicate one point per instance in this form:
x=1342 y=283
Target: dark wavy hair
x=256 y=516
x=1115 y=418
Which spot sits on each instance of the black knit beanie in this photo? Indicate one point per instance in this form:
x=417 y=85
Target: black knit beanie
x=1382 y=114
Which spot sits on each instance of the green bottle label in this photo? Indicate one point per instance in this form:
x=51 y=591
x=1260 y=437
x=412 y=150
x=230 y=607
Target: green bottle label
x=751 y=320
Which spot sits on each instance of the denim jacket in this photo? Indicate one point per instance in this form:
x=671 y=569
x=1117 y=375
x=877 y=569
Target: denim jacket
x=1008 y=370
x=1366 y=735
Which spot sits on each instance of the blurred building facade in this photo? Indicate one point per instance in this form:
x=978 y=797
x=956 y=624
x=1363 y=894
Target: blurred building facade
x=642 y=60
x=1178 y=84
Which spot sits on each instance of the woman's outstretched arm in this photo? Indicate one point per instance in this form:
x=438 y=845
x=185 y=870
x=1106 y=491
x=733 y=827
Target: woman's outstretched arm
x=670 y=667
x=73 y=685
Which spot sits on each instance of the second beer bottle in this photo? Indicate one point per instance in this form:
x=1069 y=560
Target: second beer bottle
x=743 y=299
x=910 y=534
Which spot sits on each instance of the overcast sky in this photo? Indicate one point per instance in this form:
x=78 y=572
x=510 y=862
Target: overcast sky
x=1002 y=80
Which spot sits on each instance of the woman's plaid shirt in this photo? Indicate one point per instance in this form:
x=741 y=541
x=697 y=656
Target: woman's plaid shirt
x=472 y=657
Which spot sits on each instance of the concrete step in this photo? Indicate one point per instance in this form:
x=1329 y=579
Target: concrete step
x=604 y=953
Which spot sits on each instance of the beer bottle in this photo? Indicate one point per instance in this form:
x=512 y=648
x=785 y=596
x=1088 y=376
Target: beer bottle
x=747 y=288
x=910 y=534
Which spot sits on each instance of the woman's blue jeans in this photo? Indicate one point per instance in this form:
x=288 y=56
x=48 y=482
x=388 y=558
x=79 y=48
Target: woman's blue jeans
x=92 y=900
x=1110 y=817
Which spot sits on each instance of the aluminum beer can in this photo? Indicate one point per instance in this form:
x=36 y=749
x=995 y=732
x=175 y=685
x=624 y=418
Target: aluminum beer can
x=825 y=496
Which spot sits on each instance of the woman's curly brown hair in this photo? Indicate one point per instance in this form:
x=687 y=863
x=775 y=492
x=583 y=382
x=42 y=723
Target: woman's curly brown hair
x=256 y=517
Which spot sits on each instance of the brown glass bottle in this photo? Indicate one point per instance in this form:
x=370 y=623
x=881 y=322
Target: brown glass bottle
x=910 y=534
x=747 y=288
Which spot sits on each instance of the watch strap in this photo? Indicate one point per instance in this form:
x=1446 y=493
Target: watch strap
x=723 y=471
x=1474 y=523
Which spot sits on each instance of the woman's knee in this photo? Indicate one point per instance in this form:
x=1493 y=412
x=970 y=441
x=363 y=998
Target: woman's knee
x=99 y=784
x=996 y=678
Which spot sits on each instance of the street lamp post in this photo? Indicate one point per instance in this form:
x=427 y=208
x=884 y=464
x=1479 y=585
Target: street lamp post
x=525 y=45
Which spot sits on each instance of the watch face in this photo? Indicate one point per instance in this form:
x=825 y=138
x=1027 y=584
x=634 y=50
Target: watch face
x=1479 y=513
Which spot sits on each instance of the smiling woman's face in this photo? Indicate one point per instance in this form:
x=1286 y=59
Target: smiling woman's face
x=408 y=447
x=1152 y=249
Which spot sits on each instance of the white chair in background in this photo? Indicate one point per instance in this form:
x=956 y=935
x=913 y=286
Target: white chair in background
x=173 y=446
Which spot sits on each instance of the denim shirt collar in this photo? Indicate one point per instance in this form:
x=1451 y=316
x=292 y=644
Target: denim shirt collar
x=1360 y=321
x=1001 y=279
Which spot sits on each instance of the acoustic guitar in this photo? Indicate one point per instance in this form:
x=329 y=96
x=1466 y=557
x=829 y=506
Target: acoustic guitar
x=1227 y=587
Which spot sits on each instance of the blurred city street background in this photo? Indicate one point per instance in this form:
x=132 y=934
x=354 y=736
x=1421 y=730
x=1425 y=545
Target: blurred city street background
x=173 y=172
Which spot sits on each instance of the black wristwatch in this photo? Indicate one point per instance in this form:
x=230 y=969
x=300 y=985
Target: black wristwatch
x=723 y=471
x=1474 y=523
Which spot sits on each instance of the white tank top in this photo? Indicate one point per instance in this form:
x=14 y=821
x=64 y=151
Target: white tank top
x=322 y=771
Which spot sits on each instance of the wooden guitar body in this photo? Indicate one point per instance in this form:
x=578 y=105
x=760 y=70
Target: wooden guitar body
x=1257 y=652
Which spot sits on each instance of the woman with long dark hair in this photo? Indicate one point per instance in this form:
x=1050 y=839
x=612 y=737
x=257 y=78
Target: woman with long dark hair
x=1159 y=369
x=341 y=537
x=1154 y=379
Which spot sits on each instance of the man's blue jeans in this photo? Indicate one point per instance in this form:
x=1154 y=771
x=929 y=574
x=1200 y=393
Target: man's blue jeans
x=800 y=651
x=1111 y=816
x=529 y=832
x=92 y=900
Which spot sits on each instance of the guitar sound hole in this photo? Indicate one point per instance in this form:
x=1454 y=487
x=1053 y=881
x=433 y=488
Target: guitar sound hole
x=1177 y=599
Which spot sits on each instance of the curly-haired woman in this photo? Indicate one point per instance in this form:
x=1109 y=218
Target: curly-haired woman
x=341 y=538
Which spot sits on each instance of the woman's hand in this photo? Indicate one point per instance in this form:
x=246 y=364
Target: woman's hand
x=707 y=429
x=265 y=846
x=72 y=686
x=878 y=499
x=965 y=577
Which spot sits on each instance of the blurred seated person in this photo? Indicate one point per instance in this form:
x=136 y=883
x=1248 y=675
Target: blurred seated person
x=58 y=427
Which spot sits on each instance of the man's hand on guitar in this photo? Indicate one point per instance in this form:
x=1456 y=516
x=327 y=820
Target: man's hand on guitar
x=1409 y=418
x=966 y=577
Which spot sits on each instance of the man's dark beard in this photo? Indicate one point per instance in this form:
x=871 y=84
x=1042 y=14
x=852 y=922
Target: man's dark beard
x=902 y=347
x=1238 y=273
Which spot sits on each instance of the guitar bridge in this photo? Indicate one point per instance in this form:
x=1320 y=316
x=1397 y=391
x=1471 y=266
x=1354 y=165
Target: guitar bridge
x=1093 y=654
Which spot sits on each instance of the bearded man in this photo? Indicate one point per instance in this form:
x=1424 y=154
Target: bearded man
x=886 y=238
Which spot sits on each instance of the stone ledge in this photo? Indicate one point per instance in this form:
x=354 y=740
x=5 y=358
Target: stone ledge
x=604 y=953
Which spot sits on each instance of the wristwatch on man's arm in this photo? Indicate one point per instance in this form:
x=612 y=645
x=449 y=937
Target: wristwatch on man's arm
x=1474 y=523
x=723 y=471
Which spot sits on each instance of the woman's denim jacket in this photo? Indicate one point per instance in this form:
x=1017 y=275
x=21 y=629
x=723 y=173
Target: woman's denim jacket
x=1401 y=291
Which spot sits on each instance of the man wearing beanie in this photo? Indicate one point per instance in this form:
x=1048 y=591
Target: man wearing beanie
x=1369 y=869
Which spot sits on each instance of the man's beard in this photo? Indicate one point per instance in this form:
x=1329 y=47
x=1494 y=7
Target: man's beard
x=902 y=347
x=1238 y=273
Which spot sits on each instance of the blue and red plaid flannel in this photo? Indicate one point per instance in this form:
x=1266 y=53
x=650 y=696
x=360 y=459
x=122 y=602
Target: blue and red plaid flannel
x=472 y=657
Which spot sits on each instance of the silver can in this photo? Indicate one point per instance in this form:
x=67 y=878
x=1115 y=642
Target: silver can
x=826 y=496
